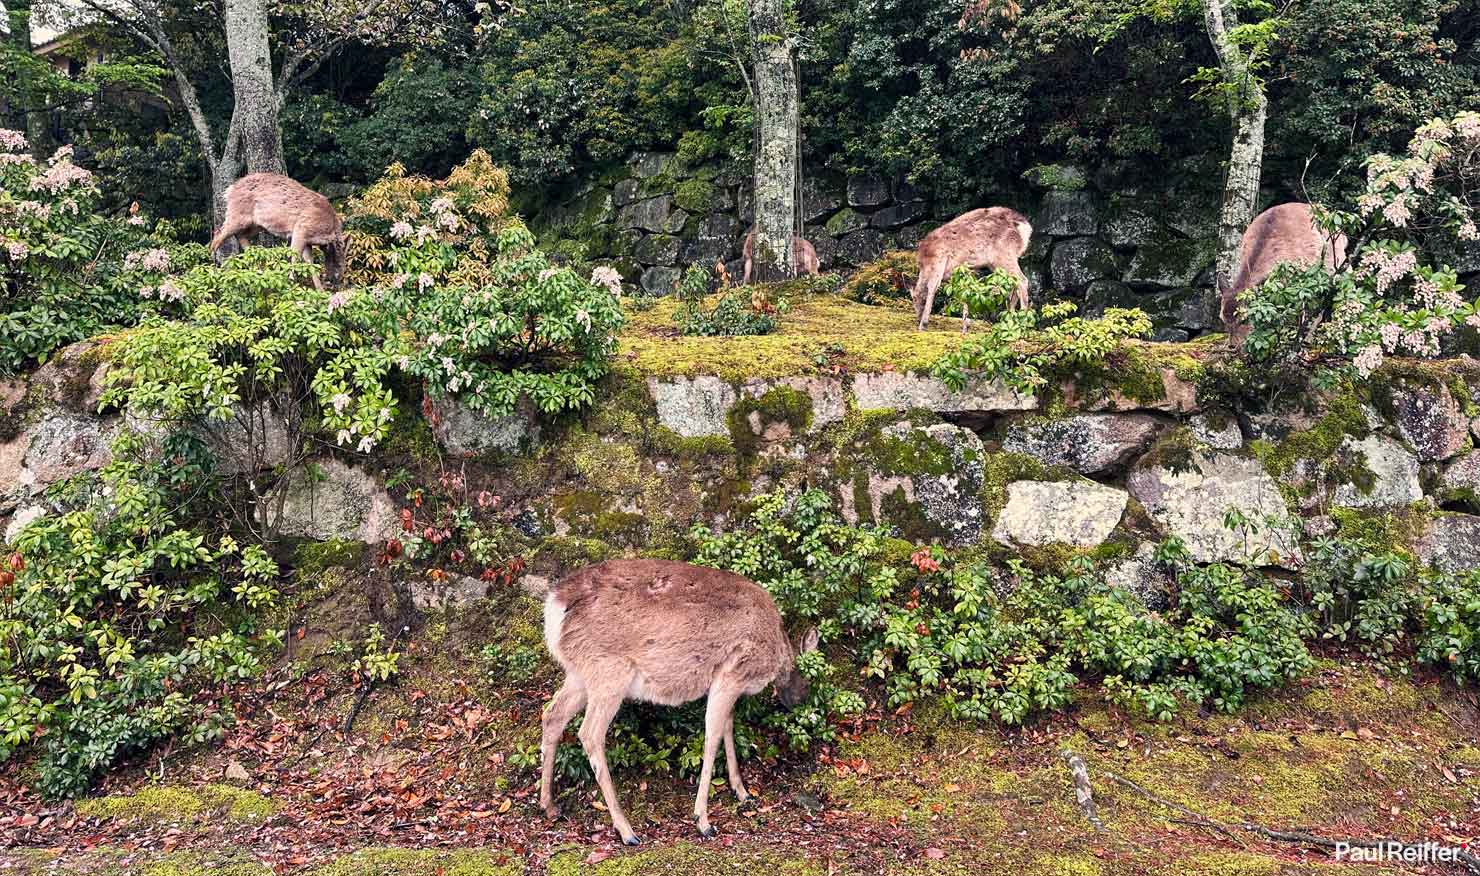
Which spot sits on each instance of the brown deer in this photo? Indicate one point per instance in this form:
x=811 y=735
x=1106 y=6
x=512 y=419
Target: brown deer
x=992 y=237
x=276 y=204
x=662 y=632
x=803 y=254
x=1285 y=233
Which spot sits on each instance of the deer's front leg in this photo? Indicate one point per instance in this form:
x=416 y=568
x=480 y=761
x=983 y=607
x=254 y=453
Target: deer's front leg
x=569 y=700
x=717 y=714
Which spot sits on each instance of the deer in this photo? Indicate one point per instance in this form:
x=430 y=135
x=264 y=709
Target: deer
x=1283 y=234
x=804 y=254
x=276 y=204
x=661 y=632
x=990 y=237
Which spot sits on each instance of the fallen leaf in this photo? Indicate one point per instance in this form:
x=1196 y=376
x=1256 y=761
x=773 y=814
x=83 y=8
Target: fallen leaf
x=952 y=788
x=235 y=772
x=504 y=806
x=1347 y=734
x=934 y=854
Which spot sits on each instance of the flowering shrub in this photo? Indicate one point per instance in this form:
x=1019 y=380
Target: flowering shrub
x=117 y=617
x=463 y=300
x=258 y=333
x=65 y=271
x=1387 y=299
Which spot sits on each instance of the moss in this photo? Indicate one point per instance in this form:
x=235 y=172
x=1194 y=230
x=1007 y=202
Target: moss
x=310 y=558
x=889 y=279
x=1065 y=865
x=192 y=863
x=1223 y=864
x=779 y=405
x=173 y=803
x=668 y=441
x=569 y=552
x=694 y=195
x=410 y=434
x=608 y=464
x=1176 y=451
x=424 y=862
x=1389 y=532
x=866 y=338
x=686 y=858
x=1316 y=449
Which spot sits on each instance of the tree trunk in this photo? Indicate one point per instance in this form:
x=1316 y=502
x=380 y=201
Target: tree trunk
x=255 y=110
x=1247 y=109
x=776 y=154
x=36 y=123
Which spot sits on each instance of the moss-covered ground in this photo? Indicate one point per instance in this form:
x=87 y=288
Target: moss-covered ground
x=431 y=783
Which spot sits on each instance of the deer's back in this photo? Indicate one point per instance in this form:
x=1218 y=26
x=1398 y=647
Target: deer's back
x=1284 y=233
x=277 y=203
x=676 y=624
x=988 y=234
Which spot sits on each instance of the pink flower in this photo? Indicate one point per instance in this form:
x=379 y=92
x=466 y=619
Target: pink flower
x=168 y=291
x=16 y=250
x=547 y=273
x=340 y=401
x=35 y=209
x=441 y=205
x=608 y=278
x=14 y=141
x=1368 y=360
x=136 y=221
x=423 y=232
x=424 y=281
x=156 y=259
x=401 y=230
x=338 y=300
x=1391 y=333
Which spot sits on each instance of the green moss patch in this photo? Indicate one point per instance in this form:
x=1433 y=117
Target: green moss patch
x=752 y=417
x=171 y=803
x=424 y=862
x=688 y=859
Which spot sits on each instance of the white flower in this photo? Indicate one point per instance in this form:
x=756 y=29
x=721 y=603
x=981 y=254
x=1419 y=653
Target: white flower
x=340 y=402
x=424 y=281
x=1368 y=360
x=401 y=230
x=338 y=300
x=366 y=444
x=608 y=278
x=343 y=437
x=15 y=141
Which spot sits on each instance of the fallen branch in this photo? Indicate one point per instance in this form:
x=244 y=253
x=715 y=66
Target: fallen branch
x=1466 y=860
x=1083 y=793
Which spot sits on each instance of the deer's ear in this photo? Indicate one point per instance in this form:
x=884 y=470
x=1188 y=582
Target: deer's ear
x=808 y=642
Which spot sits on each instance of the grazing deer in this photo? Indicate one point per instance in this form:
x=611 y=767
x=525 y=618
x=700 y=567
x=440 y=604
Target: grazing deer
x=992 y=237
x=661 y=632
x=803 y=254
x=1285 y=233
x=276 y=204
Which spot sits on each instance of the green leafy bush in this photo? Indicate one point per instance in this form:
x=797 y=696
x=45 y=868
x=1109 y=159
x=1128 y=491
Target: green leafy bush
x=726 y=313
x=979 y=296
x=117 y=614
x=1025 y=347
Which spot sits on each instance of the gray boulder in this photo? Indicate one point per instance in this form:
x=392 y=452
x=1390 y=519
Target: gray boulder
x=693 y=406
x=659 y=280
x=1191 y=503
x=1394 y=474
x=1067 y=214
x=329 y=499
x=1079 y=513
x=1088 y=443
x=1143 y=577
x=1075 y=263
x=649 y=164
x=648 y=215
x=467 y=433
x=656 y=249
x=867 y=191
x=902 y=391
x=861 y=247
x=950 y=501
x=1430 y=419
x=1452 y=543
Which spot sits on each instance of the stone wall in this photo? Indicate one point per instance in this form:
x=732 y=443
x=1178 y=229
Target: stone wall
x=1106 y=471
x=653 y=216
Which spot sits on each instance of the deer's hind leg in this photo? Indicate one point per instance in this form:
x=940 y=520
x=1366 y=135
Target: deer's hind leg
x=732 y=763
x=567 y=702
x=601 y=708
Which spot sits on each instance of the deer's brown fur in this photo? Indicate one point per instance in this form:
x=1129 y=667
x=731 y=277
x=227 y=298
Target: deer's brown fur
x=991 y=237
x=804 y=254
x=278 y=205
x=1285 y=233
x=662 y=632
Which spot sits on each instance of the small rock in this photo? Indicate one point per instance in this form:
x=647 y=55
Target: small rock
x=867 y=191
x=1143 y=577
x=648 y=215
x=1394 y=474
x=1067 y=214
x=659 y=281
x=20 y=519
x=1224 y=435
x=1075 y=263
x=467 y=433
x=329 y=499
x=1452 y=543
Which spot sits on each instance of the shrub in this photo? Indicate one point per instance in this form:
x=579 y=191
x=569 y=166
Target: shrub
x=1385 y=300
x=462 y=299
x=259 y=334
x=885 y=280
x=724 y=314
x=66 y=273
x=117 y=615
x=1025 y=347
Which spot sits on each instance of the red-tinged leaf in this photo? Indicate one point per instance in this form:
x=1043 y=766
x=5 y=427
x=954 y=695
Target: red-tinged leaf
x=597 y=856
x=934 y=854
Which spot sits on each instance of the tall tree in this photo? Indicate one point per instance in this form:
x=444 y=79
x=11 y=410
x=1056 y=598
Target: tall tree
x=27 y=117
x=253 y=139
x=777 y=144
x=1247 y=110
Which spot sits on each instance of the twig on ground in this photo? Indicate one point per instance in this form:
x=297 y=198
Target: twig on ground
x=1083 y=793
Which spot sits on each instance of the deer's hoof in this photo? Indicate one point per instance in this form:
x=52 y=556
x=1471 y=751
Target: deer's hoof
x=707 y=831
x=633 y=840
x=748 y=804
